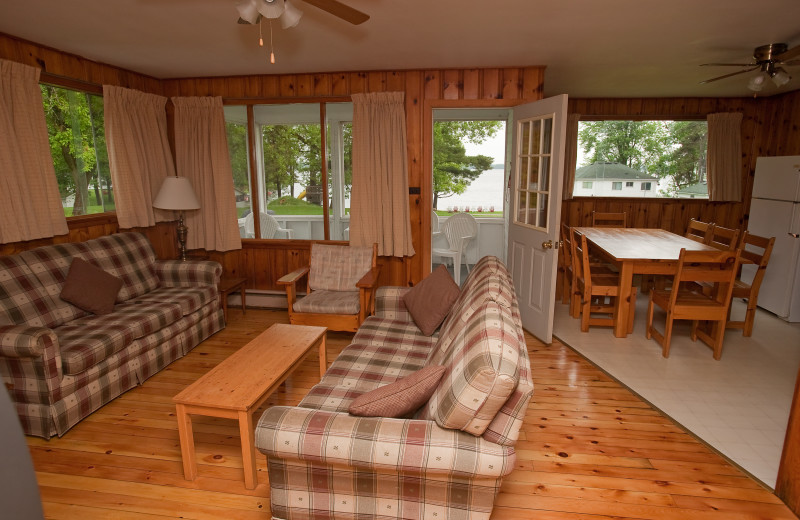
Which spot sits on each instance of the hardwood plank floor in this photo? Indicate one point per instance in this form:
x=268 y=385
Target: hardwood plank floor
x=589 y=450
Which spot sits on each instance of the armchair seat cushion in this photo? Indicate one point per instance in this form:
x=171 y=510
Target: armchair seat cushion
x=328 y=302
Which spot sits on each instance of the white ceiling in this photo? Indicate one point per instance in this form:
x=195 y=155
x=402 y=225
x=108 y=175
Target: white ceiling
x=591 y=48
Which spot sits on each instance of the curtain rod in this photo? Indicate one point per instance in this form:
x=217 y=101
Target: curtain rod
x=64 y=81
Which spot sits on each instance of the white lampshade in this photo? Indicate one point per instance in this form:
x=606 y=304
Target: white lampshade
x=781 y=77
x=248 y=10
x=756 y=83
x=176 y=193
x=291 y=15
x=270 y=8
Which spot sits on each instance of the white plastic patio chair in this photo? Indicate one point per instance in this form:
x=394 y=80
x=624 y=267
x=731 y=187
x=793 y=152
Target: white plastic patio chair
x=269 y=227
x=458 y=230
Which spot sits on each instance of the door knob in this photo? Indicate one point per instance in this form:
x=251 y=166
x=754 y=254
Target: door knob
x=547 y=245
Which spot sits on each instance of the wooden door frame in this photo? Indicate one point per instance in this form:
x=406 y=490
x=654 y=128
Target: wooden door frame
x=426 y=190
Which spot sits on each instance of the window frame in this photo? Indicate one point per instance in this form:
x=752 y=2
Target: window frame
x=85 y=88
x=631 y=117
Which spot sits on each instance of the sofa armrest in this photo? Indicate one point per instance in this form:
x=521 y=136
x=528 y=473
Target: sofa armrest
x=178 y=273
x=23 y=341
x=389 y=303
x=374 y=443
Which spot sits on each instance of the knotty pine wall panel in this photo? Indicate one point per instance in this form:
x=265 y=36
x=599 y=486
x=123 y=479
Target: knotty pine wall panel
x=264 y=265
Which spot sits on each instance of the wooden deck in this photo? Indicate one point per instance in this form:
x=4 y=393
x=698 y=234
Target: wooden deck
x=589 y=450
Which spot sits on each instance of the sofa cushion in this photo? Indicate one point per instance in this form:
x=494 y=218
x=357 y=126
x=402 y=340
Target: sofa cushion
x=328 y=302
x=23 y=300
x=430 y=300
x=400 y=398
x=338 y=268
x=189 y=298
x=482 y=372
x=89 y=340
x=128 y=256
x=90 y=288
x=51 y=264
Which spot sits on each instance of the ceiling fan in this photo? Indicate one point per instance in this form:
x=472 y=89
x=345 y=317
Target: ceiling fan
x=770 y=59
x=251 y=11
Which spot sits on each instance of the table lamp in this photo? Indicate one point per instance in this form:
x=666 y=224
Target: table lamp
x=176 y=194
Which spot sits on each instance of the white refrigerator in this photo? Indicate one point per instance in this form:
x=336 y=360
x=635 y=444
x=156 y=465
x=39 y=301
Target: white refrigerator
x=775 y=212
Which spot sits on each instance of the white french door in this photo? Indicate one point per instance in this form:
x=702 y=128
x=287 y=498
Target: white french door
x=534 y=193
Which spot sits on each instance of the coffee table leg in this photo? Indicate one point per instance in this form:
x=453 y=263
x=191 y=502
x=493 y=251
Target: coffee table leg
x=248 y=449
x=323 y=353
x=187 y=442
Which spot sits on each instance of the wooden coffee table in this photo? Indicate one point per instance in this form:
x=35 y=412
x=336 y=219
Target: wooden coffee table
x=235 y=388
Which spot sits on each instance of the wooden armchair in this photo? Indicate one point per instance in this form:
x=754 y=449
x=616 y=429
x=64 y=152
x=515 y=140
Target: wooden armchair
x=340 y=288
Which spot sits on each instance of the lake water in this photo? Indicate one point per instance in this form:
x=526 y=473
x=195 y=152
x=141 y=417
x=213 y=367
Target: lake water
x=485 y=191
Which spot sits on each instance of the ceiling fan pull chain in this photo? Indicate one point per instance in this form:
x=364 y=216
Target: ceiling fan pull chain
x=260 y=38
x=271 y=47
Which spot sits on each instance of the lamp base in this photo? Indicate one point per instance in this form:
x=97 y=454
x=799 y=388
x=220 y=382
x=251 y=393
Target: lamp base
x=182 y=230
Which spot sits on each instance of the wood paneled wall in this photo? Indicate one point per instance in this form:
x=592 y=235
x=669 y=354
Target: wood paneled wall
x=263 y=263
x=769 y=127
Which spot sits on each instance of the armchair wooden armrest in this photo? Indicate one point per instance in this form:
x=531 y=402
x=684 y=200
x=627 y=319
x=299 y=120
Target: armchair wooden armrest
x=366 y=288
x=294 y=276
x=369 y=280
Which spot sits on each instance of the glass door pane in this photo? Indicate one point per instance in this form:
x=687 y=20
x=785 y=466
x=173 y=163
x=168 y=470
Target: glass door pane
x=533 y=161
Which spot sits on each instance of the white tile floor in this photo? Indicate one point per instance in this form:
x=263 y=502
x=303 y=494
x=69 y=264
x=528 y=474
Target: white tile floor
x=739 y=404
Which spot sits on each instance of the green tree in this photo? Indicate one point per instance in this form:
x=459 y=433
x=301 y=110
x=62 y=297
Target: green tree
x=75 y=129
x=237 y=149
x=671 y=150
x=453 y=169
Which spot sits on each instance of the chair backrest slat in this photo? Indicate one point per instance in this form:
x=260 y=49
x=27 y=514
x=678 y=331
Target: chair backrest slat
x=600 y=219
x=724 y=238
x=719 y=267
x=699 y=231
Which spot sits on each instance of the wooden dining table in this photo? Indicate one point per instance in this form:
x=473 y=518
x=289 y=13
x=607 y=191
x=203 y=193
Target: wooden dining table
x=637 y=251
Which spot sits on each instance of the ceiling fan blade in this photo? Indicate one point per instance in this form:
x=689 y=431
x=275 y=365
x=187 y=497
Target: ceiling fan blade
x=245 y=22
x=338 y=9
x=728 y=75
x=726 y=64
x=788 y=55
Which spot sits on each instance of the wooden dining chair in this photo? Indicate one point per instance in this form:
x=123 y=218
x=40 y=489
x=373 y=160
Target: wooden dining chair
x=609 y=219
x=699 y=231
x=724 y=239
x=681 y=302
x=565 y=264
x=595 y=292
x=756 y=250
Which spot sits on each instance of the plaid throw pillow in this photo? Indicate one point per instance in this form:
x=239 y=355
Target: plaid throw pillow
x=400 y=398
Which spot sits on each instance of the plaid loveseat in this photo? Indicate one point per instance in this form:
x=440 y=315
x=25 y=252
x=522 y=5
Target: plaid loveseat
x=448 y=460
x=60 y=363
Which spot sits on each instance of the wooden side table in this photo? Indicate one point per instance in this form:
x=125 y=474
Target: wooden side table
x=228 y=286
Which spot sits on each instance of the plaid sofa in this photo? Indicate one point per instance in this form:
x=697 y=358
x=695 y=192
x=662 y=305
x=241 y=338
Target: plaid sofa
x=61 y=363
x=449 y=459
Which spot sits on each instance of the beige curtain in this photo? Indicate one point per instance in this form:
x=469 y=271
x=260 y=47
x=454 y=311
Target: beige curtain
x=570 y=155
x=138 y=153
x=379 y=200
x=201 y=155
x=725 y=157
x=30 y=205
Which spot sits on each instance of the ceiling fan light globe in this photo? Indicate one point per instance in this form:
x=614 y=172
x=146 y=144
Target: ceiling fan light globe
x=271 y=8
x=291 y=15
x=248 y=10
x=781 y=77
x=756 y=83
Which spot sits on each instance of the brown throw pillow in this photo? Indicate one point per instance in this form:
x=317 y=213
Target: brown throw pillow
x=429 y=301
x=400 y=398
x=90 y=288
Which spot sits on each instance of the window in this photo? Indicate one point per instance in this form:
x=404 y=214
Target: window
x=78 y=147
x=289 y=173
x=666 y=158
